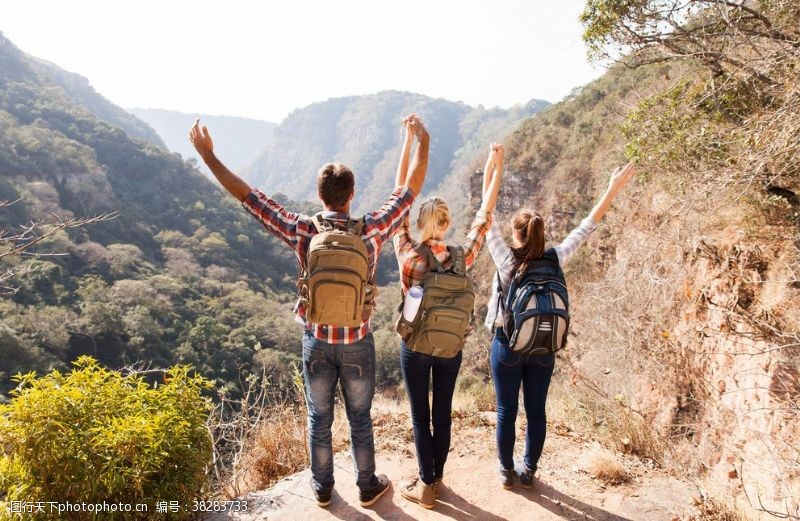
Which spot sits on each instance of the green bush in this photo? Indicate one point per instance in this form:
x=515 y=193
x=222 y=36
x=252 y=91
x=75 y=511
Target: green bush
x=94 y=435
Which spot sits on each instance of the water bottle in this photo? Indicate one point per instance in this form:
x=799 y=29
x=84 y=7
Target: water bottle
x=412 y=302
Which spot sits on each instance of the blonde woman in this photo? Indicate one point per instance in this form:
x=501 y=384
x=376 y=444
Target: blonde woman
x=431 y=422
x=512 y=369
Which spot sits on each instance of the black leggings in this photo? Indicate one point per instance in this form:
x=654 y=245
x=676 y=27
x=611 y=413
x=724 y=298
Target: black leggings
x=432 y=446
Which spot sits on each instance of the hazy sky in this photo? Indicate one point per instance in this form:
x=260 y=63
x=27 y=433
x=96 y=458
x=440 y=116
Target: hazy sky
x=262 y=59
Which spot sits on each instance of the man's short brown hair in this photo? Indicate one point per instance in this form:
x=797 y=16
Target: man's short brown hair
x=335 y=183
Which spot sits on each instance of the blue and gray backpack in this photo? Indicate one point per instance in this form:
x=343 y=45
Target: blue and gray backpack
x=536 y=308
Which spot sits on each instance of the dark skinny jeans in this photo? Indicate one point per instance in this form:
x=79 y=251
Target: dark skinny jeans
x=509 y=371
x=432 y=445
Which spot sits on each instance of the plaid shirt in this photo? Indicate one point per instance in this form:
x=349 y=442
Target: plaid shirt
x=413 y=266
x=297 y=229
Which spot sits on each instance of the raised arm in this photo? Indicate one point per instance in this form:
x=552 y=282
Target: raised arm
x=487 y=170
x=619 y=178
x=578 y=236
x=402 y=166
x=419 y=165
x=492 y=175
x=202 y=142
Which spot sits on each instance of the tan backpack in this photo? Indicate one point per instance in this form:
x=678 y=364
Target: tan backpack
x=444 y=316
x=336 y=286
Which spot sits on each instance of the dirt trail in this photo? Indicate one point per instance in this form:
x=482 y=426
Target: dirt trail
x=472 y=490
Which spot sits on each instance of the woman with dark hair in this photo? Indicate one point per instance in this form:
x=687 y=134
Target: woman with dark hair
x=511 y=368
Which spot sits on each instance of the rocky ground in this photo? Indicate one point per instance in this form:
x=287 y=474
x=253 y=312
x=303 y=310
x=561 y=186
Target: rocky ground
x=566 y=488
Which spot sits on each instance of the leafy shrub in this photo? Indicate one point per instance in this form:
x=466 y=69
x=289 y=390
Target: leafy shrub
x=94 y=435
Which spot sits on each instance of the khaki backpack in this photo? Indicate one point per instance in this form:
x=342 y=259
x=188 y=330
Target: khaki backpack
x=336 y=286
x=445 y=313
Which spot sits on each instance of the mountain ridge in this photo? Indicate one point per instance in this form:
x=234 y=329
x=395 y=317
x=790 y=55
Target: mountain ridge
x=365 y=133
x=237 y=139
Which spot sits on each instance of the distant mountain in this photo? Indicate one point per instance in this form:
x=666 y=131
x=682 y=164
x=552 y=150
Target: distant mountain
x=238 y=140
x=365 y=133
x=78 y=88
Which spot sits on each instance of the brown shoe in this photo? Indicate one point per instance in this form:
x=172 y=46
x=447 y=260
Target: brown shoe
x=437 y=487
x=416 y=491
x=507 y=477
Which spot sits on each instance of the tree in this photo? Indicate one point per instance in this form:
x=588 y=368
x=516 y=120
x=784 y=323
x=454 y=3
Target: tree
x=17 y=244
x=737 y=126
x=727 y=36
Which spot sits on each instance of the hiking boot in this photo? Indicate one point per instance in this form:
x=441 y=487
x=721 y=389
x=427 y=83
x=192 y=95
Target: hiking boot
x=507 y=477
x=369 y=497
x=437 y=487
x=417 y=491
x=525 y=476
x=323 y=497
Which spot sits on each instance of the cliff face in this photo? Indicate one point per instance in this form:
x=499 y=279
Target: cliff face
x=747 y=384
x=685 y=304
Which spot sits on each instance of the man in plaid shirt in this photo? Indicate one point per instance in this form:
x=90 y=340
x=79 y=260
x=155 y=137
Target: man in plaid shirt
x=333 y=354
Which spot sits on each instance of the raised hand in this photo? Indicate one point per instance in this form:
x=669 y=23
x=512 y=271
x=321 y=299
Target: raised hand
x=499 y=150
x=492 y=174
x=407 y=127
x=620 y=177
x=488 y=168
x=201 y=139
x=202 y=142
x=417 y=127
x=419 y=165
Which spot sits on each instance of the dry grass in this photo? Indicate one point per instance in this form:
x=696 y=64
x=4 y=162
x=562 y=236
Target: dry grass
x=605 y=466
x=710 y=509
x=630 y=433
x=577 y=409
x=483 y=397
x=279 y=447
x=391 y=424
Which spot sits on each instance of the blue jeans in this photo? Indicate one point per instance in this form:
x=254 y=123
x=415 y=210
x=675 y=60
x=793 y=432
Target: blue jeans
x=432 y=447
x=509 y=370
x=325 y=365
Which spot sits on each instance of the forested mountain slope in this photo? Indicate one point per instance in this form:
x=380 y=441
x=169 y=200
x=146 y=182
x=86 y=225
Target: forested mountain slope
x=181 y=274
x=364 y=132
x=78 y=88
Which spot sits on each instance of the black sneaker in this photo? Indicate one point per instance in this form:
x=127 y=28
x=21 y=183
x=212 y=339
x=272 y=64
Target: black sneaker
x=369 y=497
x=323 y=497
x=526 y=477
x=507 y=478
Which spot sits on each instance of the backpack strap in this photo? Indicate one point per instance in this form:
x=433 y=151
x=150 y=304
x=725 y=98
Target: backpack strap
x=433 y=263
x=322 y=225
x=516 y=276
x=499 y=288
x=355 y=226
x=458 y=259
